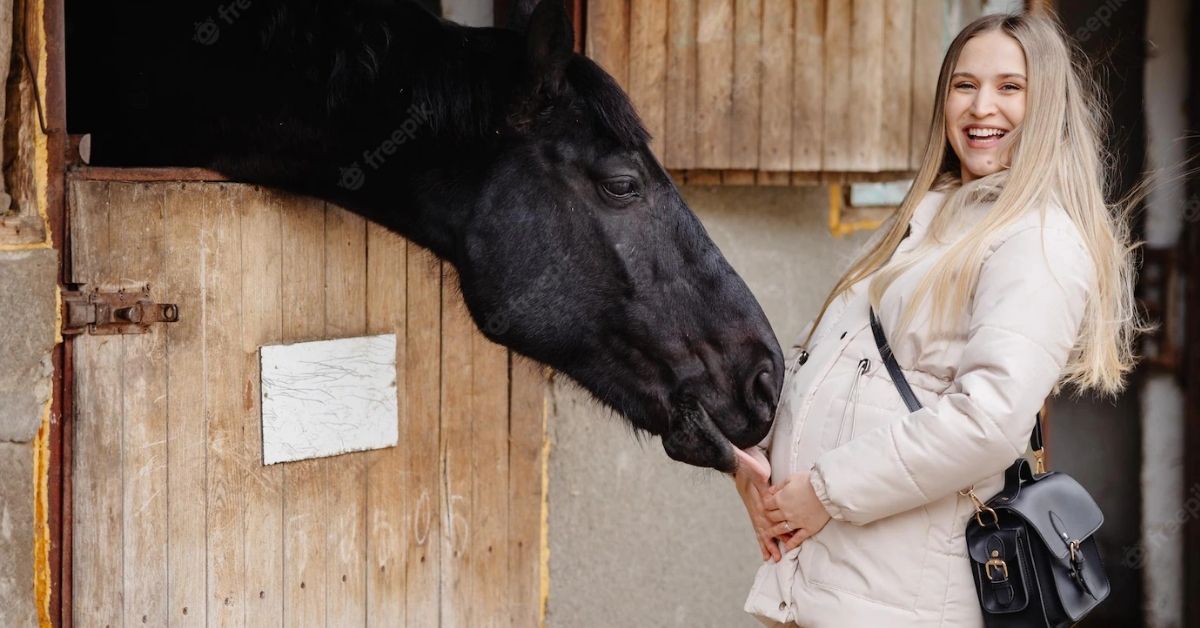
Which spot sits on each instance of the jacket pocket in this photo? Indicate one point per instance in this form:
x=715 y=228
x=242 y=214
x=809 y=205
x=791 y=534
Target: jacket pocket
x=882 y=561
x=863 y=405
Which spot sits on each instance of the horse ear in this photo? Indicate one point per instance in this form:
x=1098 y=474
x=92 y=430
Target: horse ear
x=549 y=44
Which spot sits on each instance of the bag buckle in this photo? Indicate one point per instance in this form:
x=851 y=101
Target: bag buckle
x=997 y=563
x=980 y=507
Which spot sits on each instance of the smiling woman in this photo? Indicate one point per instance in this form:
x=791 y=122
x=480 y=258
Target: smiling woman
x=1003 y=276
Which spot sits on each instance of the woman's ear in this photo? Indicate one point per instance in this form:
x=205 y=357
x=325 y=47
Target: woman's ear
x=549 y=44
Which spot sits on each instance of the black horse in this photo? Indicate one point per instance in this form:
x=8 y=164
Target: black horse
x=505 y=153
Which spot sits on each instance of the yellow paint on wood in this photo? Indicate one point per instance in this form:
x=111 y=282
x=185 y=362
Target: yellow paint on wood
x=41 y=517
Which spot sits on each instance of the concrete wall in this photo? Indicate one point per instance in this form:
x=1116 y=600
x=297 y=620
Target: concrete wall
x=27 y=307
x=635 y=538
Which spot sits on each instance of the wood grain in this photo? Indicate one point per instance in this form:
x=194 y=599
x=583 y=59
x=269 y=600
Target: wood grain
x=222 y=277
x=345 y=316
x=420 y=436
x=927 y=50
x=387 y=500
x=895 y=123
x=305 y=511
x=775 y=145
x=607 y=36
x=457 y=451
x=866 y=86
x=262 y=323
x=679 y=151
x=526 y=444
x=837 y=136
x=808 y=85
x=187 y=421
x=647 y=84
x=714 y=86
x=747 y=83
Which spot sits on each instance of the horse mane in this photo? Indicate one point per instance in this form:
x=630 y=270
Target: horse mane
x=466 y=77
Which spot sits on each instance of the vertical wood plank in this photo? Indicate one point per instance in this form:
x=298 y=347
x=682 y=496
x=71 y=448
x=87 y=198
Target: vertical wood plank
x=866 y=85
x=223 y=340
x=489 y=475
x=262 y=279
x=714 y=87
x=648 y=75
x=836 y=142
x=525 y=523
x=608 y=37
x=387 y=499
x=927 y=51
x=457 y=445
x=420 y=437
x=187 y=479
x=303 y=297
x=747 y=83
x=137 y=257
x=98 y=515
x=895 y=125
x=775 y=146
x=679 y=150
x=808 y=86
x=345 y=315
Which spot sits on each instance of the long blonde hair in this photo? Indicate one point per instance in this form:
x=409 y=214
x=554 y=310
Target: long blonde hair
x=1057 y=158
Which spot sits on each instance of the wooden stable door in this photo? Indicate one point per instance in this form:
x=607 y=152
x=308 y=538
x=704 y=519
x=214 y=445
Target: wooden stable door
x=175 y=520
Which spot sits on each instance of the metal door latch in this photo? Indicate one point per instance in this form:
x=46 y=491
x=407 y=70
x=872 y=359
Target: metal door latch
x=106 y=312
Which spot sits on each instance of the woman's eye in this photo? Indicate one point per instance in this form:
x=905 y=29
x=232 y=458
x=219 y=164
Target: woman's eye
x=964 y=86
x=620 y=188
x=1010 y=87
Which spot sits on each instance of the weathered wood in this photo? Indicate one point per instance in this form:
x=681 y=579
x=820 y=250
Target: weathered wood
x=775 y=145
x=346 y=315
x=714 y=83
x=489 y=477
x=457 y=445
x=747 y=83
x=388 y=524
x=262 y=282
x=926 y=61
x=98 y=516
x=226 y=499
x=866 y=85
x=187 y=421
x=137 y=256
x=648 y=67
x=420 y=437
x=305 y=512
x=680 y=146
x=607 y=36
x=836 y=153
x=526 y=450
x=895 y=124
x=737 y=177
x=808 y=85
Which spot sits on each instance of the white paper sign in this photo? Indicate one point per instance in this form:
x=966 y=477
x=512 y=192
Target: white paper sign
x=328 y=397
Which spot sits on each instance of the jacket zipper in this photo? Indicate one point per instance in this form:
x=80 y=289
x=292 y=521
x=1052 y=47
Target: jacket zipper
x=852 y=400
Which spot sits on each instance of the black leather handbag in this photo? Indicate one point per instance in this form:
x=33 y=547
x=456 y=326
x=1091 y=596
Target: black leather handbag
x=1032 y=546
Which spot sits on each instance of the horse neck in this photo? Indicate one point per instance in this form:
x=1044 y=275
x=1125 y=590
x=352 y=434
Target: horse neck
x=417 y=162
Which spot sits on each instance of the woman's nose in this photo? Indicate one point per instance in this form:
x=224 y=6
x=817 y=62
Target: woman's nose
x=983 y=105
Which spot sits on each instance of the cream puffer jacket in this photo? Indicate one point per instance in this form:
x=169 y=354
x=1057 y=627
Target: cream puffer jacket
x=894 y=554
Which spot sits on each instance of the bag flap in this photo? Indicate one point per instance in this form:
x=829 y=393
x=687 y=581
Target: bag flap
x=1057 y=507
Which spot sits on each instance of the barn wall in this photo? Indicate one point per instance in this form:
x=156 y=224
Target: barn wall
x=637 y=539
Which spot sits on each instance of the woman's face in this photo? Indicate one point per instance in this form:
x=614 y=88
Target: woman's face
x=985 y=102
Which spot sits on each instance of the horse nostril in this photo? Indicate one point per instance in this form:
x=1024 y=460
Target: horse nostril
x=763 y=397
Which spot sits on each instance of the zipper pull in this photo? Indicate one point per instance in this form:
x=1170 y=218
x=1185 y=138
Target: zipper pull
x=800 y=360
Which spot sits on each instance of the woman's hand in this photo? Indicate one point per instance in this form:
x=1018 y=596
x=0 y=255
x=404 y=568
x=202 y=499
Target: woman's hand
x=753 y=487
x=794 y=511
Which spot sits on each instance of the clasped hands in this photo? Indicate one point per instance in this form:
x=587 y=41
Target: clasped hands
x=783 y=515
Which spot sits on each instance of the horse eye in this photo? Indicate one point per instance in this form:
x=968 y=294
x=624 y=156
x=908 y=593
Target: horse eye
x=619 y=188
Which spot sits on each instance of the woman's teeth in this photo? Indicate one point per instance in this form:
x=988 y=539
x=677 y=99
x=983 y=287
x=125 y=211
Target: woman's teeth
x=984 y=133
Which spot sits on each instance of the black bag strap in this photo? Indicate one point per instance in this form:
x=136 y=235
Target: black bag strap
x=906 y=392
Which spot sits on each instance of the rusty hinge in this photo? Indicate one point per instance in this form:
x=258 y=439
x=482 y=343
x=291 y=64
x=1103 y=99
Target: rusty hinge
x=105 y=312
